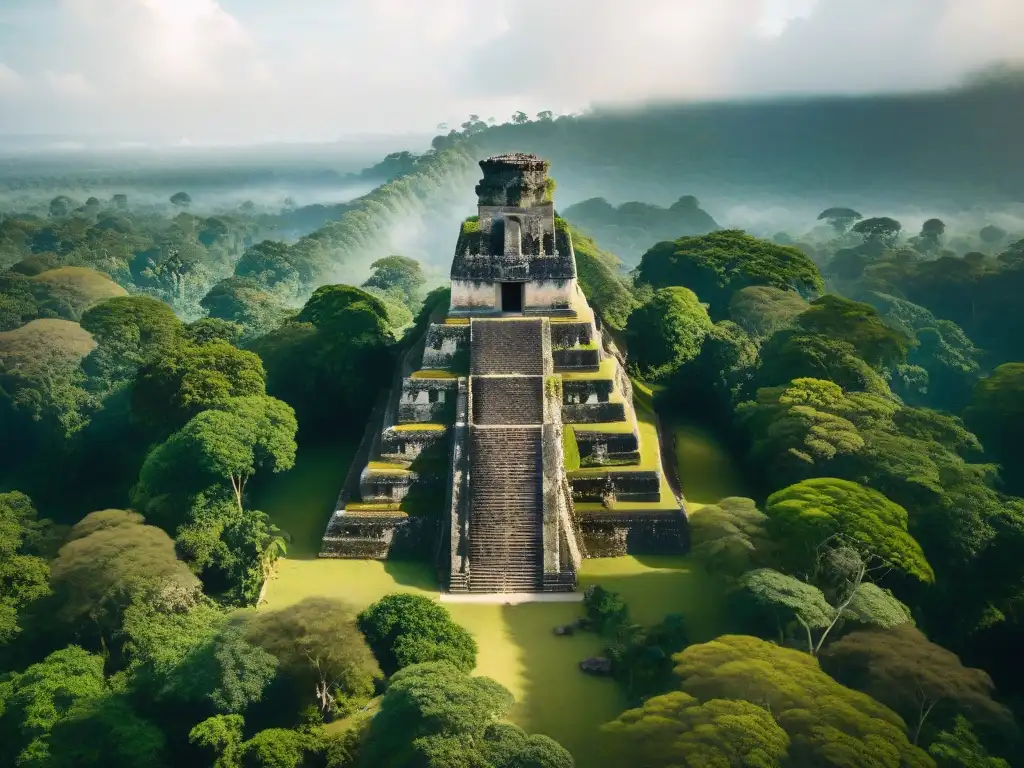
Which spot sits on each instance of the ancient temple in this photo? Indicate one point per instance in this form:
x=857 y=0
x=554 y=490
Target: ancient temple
x=511 y=446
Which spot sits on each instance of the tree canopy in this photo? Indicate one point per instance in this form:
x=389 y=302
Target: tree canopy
x=807 y=515
x=717 y=265
x=404 y=629
x=666 y=331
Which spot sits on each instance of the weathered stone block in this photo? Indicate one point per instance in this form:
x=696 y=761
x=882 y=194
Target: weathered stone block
x=576 y=359
x=593 y=413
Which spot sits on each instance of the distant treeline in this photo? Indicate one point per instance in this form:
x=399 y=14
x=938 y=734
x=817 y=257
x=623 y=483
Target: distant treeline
x=963 y=143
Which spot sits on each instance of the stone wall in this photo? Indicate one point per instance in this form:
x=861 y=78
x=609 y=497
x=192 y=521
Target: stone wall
x=625 y=485
x=375 y=485
x=427 y=400
x=593 y=413
x=656 y=533
x=565 y=335
x=513 y=179
x=577 y=359
x=541 y=295
x=475 y=295
x=407 y=444
x=445 y=345
x=378 y=537
x=586 y=390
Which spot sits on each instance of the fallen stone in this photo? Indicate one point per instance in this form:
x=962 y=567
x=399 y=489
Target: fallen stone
x=596 y=665
x=563 y=629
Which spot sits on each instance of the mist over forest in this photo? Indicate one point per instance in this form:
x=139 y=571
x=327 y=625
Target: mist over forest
x=806 y=312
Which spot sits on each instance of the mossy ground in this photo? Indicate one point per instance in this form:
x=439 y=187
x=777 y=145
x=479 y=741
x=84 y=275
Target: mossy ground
x=516 y=643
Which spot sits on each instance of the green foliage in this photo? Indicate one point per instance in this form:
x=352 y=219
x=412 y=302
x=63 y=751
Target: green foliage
x=729 y=537
x=881 y=230
x=771 y=604
x=606 y=610
x=105 y=732
x=128 y=331
x=801 y=429
x=509 y=746
x=277 y=748
x=598 y=279
x=104 y=568
x=229 y=443
x=185 y=379
x=40 y=697
x=43 y=402
x=666 y=332
x=321 y=652
x=918 y=679
x=404 y=629
x=195 y=659
x=719 y=377
x=675 y=730
x=437 y=716
x=209 y=329
x=788 y=355
x=331 y=374
x=996 y=414
x=570 y=448
x=24 y=576
x=399 y=272
x=248 y=303
x=222 y=735
x=717 y=265
x=272 y=265
x=331 y=308
x=872 y=605
x=805 y=516
x=840 y=219
x=857 y=324
x=960 y=748
x=827 y=723
x=761 y=310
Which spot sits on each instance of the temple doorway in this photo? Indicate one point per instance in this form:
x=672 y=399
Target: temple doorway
x=512 y=297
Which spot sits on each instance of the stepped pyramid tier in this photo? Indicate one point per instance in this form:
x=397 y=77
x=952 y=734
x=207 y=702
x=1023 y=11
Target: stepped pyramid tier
x=510 y=445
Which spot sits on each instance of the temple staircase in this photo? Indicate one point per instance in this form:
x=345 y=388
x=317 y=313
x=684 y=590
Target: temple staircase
x=506 y=545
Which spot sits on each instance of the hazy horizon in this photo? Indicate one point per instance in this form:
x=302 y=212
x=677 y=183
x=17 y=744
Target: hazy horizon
x=202 y=72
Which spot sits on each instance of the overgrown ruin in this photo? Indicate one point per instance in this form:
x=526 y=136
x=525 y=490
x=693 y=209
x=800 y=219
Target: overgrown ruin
x=510 y=446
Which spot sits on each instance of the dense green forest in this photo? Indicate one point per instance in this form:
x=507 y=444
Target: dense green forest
x=157 y=360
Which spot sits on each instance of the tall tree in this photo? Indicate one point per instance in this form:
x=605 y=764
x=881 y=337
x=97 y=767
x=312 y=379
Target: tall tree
x=809 y=515
x=827 y=723
x=918 y=679
x=320 y=650
x=675 y=730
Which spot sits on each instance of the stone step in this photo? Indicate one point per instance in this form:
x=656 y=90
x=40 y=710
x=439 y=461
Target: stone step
x=507 y=399
x=505 y=510
x=506 y=346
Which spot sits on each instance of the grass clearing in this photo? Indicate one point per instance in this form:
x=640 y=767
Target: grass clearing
x=516 y=642
x=517 y=646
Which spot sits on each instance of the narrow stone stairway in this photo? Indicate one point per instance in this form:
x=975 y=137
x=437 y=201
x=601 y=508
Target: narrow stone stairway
x=506 y=507
x=506 y=548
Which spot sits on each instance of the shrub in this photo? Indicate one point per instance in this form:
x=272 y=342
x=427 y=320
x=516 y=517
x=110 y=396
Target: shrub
x=404 y=629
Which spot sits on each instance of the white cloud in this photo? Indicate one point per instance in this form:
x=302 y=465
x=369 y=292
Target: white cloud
x=10 y=81
x=322 y=68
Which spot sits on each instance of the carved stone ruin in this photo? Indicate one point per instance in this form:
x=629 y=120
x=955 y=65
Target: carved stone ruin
x=464 y=462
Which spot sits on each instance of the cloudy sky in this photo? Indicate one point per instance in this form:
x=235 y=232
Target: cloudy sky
x=232 y=70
